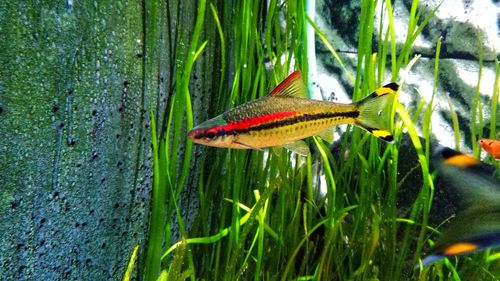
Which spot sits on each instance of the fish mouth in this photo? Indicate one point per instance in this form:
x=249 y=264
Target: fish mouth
x=206 y=131
x=196 y=133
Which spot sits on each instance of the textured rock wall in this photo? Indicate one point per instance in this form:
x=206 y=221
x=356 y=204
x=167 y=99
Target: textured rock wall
x=77 y=82
x=74 y=139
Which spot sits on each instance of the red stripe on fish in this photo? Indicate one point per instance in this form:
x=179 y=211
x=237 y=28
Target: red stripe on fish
x=246 y=123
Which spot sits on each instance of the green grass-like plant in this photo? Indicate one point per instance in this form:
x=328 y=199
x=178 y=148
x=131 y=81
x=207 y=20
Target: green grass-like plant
x=261 y=215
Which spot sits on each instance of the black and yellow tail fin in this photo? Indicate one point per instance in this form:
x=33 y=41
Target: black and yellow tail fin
x=375 y=112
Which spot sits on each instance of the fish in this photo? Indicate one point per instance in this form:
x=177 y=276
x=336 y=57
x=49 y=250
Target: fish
x=491 y=146
x=285 y=117
x=475 y=230
x=477 y=227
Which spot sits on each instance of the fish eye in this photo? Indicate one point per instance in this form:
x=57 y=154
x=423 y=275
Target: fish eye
x=210 y=135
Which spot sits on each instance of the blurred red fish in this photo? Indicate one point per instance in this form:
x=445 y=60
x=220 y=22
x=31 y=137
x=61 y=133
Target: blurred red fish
x=491 y=146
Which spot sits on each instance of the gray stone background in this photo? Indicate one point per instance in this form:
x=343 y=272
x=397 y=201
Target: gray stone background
x=463 y=25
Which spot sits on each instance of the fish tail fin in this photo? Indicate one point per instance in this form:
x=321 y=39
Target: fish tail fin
x=375 y=112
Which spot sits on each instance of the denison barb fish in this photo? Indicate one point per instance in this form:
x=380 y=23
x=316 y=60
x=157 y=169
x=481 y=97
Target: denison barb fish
x=284 y=117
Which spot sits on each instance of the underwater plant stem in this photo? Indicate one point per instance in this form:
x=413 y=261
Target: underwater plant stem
x=476 y=128
x=157 y=221
x=427 y=128
x=494 y=101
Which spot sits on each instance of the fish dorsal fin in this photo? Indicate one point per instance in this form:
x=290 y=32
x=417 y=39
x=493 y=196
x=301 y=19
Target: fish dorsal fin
x=299 y=147
x=292 y=86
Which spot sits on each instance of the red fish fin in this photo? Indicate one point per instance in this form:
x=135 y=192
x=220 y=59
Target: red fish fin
x=292 y=86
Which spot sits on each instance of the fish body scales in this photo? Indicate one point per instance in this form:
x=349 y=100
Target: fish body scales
x=275 y=121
